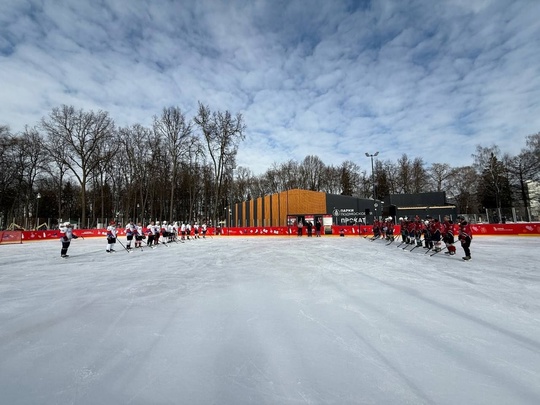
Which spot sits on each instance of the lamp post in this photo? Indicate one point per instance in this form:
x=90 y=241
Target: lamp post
x=373 y=173
x=38 y=197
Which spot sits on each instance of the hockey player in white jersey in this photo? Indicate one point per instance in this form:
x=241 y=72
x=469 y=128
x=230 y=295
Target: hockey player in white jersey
x=130 y=232
x=111 y=236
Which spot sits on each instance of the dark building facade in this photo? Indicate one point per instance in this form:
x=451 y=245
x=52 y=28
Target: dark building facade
x=423 y=204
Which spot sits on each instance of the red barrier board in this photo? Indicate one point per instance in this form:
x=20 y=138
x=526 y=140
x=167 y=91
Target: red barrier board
x=520 y=229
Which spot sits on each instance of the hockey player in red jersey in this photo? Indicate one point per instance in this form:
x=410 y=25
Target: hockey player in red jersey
x=465 y=237
x=448 y=235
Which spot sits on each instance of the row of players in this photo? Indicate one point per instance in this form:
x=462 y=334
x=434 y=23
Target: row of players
x=433 y=231
x=153 y=231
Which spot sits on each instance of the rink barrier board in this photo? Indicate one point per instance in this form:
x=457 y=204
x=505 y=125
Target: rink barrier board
x=521 y=229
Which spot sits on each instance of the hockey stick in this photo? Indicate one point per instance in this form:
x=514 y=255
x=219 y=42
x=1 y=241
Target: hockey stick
x=406 y=246
x=417 y=245
x=121 y=244
x=393 y=240
x=438 y=251
x=414 y=248
x=150 y=246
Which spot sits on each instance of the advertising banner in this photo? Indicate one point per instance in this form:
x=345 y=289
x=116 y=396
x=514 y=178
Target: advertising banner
x=521 y=229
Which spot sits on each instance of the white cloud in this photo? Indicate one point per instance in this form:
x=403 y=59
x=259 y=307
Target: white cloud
x=317 y=77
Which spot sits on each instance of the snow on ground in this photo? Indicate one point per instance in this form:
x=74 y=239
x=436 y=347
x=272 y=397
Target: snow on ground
x=270 y=321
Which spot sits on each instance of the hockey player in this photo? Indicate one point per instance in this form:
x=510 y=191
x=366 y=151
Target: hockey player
x=183 y=230
x=172 y=233
x=130 y=232
x=389 y=225
x=465 y=237
x=67 y=231
x=411 y=231
x=418 y=230
x=111 y=236
x=403 y=229
x=376 y=229
x=435 y=230
x=164 y=232
x=156 y=229
x=150 y=233
x=428 y=240
x=139 y=235
x=448 y=235
x=403 y=224
x=204 y=230
x=188 y=230
x=196 y=230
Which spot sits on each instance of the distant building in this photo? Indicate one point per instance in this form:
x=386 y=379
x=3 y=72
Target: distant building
x=422 y=204
x=289 y=207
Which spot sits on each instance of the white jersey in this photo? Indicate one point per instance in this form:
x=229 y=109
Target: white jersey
x=183 y=228
x=67 y=232
x=139 y=230
x=111 y=231
x=130 y=229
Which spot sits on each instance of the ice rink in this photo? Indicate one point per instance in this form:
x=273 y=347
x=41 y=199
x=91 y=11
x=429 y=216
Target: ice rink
x=270 y=320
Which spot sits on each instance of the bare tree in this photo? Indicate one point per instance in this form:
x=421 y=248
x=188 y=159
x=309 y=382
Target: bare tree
x=243 y=184
x=524 y=168
x=7 y=180
x=350 y=178
x=82 y=133
x=176 y=131
x=311 y=171
x=405 y=175
x=494 y=177
x=419 y=176
x=438 y=174
x=222 y=133
x=333 y=179
x=462 y=187
x=31 y=158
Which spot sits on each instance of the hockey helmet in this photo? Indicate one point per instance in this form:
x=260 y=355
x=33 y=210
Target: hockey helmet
x=164 y=222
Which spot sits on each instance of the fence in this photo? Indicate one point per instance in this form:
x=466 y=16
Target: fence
x=487 y=216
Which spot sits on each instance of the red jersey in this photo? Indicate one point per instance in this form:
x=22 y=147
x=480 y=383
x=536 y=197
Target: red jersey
x=465 y=230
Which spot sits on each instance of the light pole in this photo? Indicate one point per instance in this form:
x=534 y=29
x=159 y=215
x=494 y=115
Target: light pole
x=373 y=173
x=38 y=197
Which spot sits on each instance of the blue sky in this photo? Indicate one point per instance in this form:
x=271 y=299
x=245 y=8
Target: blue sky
x=335 y=79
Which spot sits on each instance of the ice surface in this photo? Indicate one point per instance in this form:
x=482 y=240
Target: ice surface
x=270 y=320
